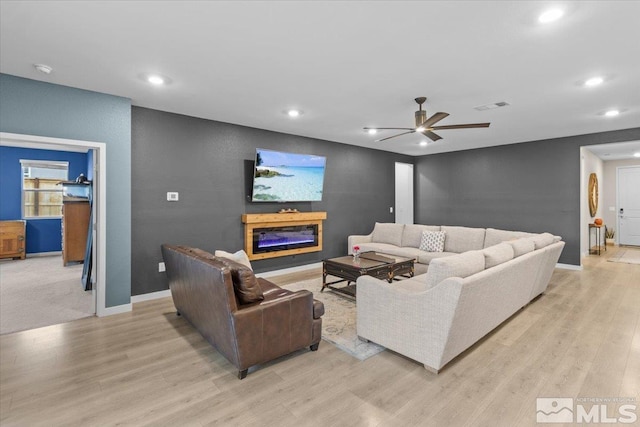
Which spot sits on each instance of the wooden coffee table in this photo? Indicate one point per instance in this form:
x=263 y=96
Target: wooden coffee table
x=348 y=268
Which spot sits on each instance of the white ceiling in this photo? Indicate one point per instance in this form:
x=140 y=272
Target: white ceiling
x=345 y=64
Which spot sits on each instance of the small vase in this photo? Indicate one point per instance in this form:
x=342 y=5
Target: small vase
x=356 y=255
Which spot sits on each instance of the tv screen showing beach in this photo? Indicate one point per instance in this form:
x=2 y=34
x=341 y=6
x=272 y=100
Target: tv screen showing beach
x=287 y=177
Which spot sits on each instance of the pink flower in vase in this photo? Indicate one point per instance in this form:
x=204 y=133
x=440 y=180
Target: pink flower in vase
x=356 y=250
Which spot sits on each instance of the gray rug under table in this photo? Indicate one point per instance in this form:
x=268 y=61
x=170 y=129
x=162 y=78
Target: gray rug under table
x=339 y=320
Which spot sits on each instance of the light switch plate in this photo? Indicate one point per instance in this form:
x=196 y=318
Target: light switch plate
x=161 y=267
x=172 y=196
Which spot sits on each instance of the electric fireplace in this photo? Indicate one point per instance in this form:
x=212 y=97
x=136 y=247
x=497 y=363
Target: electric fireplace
x=270 y=239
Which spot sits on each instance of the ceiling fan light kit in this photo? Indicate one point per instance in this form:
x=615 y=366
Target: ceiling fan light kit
x=425 y=126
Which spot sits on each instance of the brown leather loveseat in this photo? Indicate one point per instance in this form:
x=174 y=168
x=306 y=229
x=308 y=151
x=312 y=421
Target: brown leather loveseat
x=249 y=320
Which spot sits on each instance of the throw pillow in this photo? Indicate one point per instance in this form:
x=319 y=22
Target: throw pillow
x=432 y=241
x=239 y=257
x=497 y=254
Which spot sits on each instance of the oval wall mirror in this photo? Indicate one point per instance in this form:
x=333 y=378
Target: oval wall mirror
x=593 y=194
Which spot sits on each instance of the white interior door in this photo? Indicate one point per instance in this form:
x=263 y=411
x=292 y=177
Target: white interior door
x=404 y=193
x=629 y=205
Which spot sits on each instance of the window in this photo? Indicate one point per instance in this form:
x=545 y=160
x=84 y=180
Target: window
x=41 y=196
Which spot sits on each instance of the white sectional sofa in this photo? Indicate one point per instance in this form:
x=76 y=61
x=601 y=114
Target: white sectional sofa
x=479 y=280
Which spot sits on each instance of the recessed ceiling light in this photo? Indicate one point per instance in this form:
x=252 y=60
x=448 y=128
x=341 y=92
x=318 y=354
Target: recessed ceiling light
x=594 y=81
x=550 y=16
x=43 y=68
x=294 y=113
x=423 y=143
x=636 y=154
x=612 y=113
x=155 y=79
x=372 y=131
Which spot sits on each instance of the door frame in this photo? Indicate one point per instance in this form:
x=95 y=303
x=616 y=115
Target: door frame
x=404 y=167
x=100 y=199
x=617 y=239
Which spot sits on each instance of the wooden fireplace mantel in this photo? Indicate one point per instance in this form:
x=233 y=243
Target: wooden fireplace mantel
x=253 y=221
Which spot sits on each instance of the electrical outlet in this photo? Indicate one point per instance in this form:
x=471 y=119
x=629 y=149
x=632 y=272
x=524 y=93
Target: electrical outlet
x=390 y=209
x=161 y=267
x=172 y=196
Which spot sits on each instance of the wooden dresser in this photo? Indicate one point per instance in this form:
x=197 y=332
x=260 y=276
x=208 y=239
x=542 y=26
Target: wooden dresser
x=75 y=227
x=12 y=239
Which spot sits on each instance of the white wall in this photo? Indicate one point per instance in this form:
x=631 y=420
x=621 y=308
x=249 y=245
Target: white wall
x=590 y=163
x=608 y=196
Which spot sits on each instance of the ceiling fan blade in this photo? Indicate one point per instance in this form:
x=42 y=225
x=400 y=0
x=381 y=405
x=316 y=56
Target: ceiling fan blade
x=467 y=126
x=389 y=128
x=393 y=136
x=434 y=119
x=432 y=136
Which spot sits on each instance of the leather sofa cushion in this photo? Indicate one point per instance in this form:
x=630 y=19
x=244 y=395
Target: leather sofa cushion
x=460 y=265
x=522 y=246
x=497 y=254
x=463 y=239
x=388 y=233
x=245 y=284
x=412 y=234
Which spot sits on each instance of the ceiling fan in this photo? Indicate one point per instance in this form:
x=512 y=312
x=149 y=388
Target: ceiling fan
x=425 y=126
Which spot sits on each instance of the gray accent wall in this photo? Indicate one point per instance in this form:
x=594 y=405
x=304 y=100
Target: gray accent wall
x=36 y=108
x=210 y=165
x=533 y=186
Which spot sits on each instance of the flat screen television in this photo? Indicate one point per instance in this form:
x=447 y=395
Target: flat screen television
x=287 y=177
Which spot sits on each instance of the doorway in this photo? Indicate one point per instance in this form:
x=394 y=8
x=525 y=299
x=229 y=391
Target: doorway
x=99 y=150
x=404 y=193
x=628 y=204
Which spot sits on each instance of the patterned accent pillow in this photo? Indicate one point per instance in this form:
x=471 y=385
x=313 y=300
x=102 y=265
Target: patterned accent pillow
x=432 y=241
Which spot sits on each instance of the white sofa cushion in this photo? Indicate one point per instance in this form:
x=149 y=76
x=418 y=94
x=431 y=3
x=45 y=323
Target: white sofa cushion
x=494 y=236
x=522 y=246
x=461 y=265
x=497 y=254
x=542 y=240
x=427 y=257
x=412 y=234
x=463 y=239
x=387 y=249
x=432 y=241
x=388 y=233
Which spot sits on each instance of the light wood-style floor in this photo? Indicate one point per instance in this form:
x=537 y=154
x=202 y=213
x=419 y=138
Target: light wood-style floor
x=149 y=367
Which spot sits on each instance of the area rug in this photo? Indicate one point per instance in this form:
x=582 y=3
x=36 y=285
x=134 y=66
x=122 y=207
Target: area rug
x=339 y=320
x=627 y=256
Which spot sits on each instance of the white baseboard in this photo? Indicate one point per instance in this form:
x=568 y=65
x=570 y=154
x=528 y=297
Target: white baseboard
x=273 y=273
x=117 y=309
x=167 y=293
x=38 y=254
x=150 y=296
x=569 y=266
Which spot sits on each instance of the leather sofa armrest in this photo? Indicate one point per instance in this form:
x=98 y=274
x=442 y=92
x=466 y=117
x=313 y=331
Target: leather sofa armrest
x=273 y=327
x=318 y=309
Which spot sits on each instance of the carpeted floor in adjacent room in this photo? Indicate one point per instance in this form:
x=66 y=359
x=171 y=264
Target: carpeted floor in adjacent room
x=39 y=291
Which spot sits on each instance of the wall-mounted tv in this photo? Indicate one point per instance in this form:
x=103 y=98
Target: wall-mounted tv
x=287 y=177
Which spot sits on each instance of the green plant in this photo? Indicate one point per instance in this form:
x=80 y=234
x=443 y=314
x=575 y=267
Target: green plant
x=609 y=233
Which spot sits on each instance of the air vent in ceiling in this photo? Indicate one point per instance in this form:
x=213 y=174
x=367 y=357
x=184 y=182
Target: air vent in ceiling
x=491 y=106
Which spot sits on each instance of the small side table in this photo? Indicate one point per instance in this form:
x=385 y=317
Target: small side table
x=598 y=239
